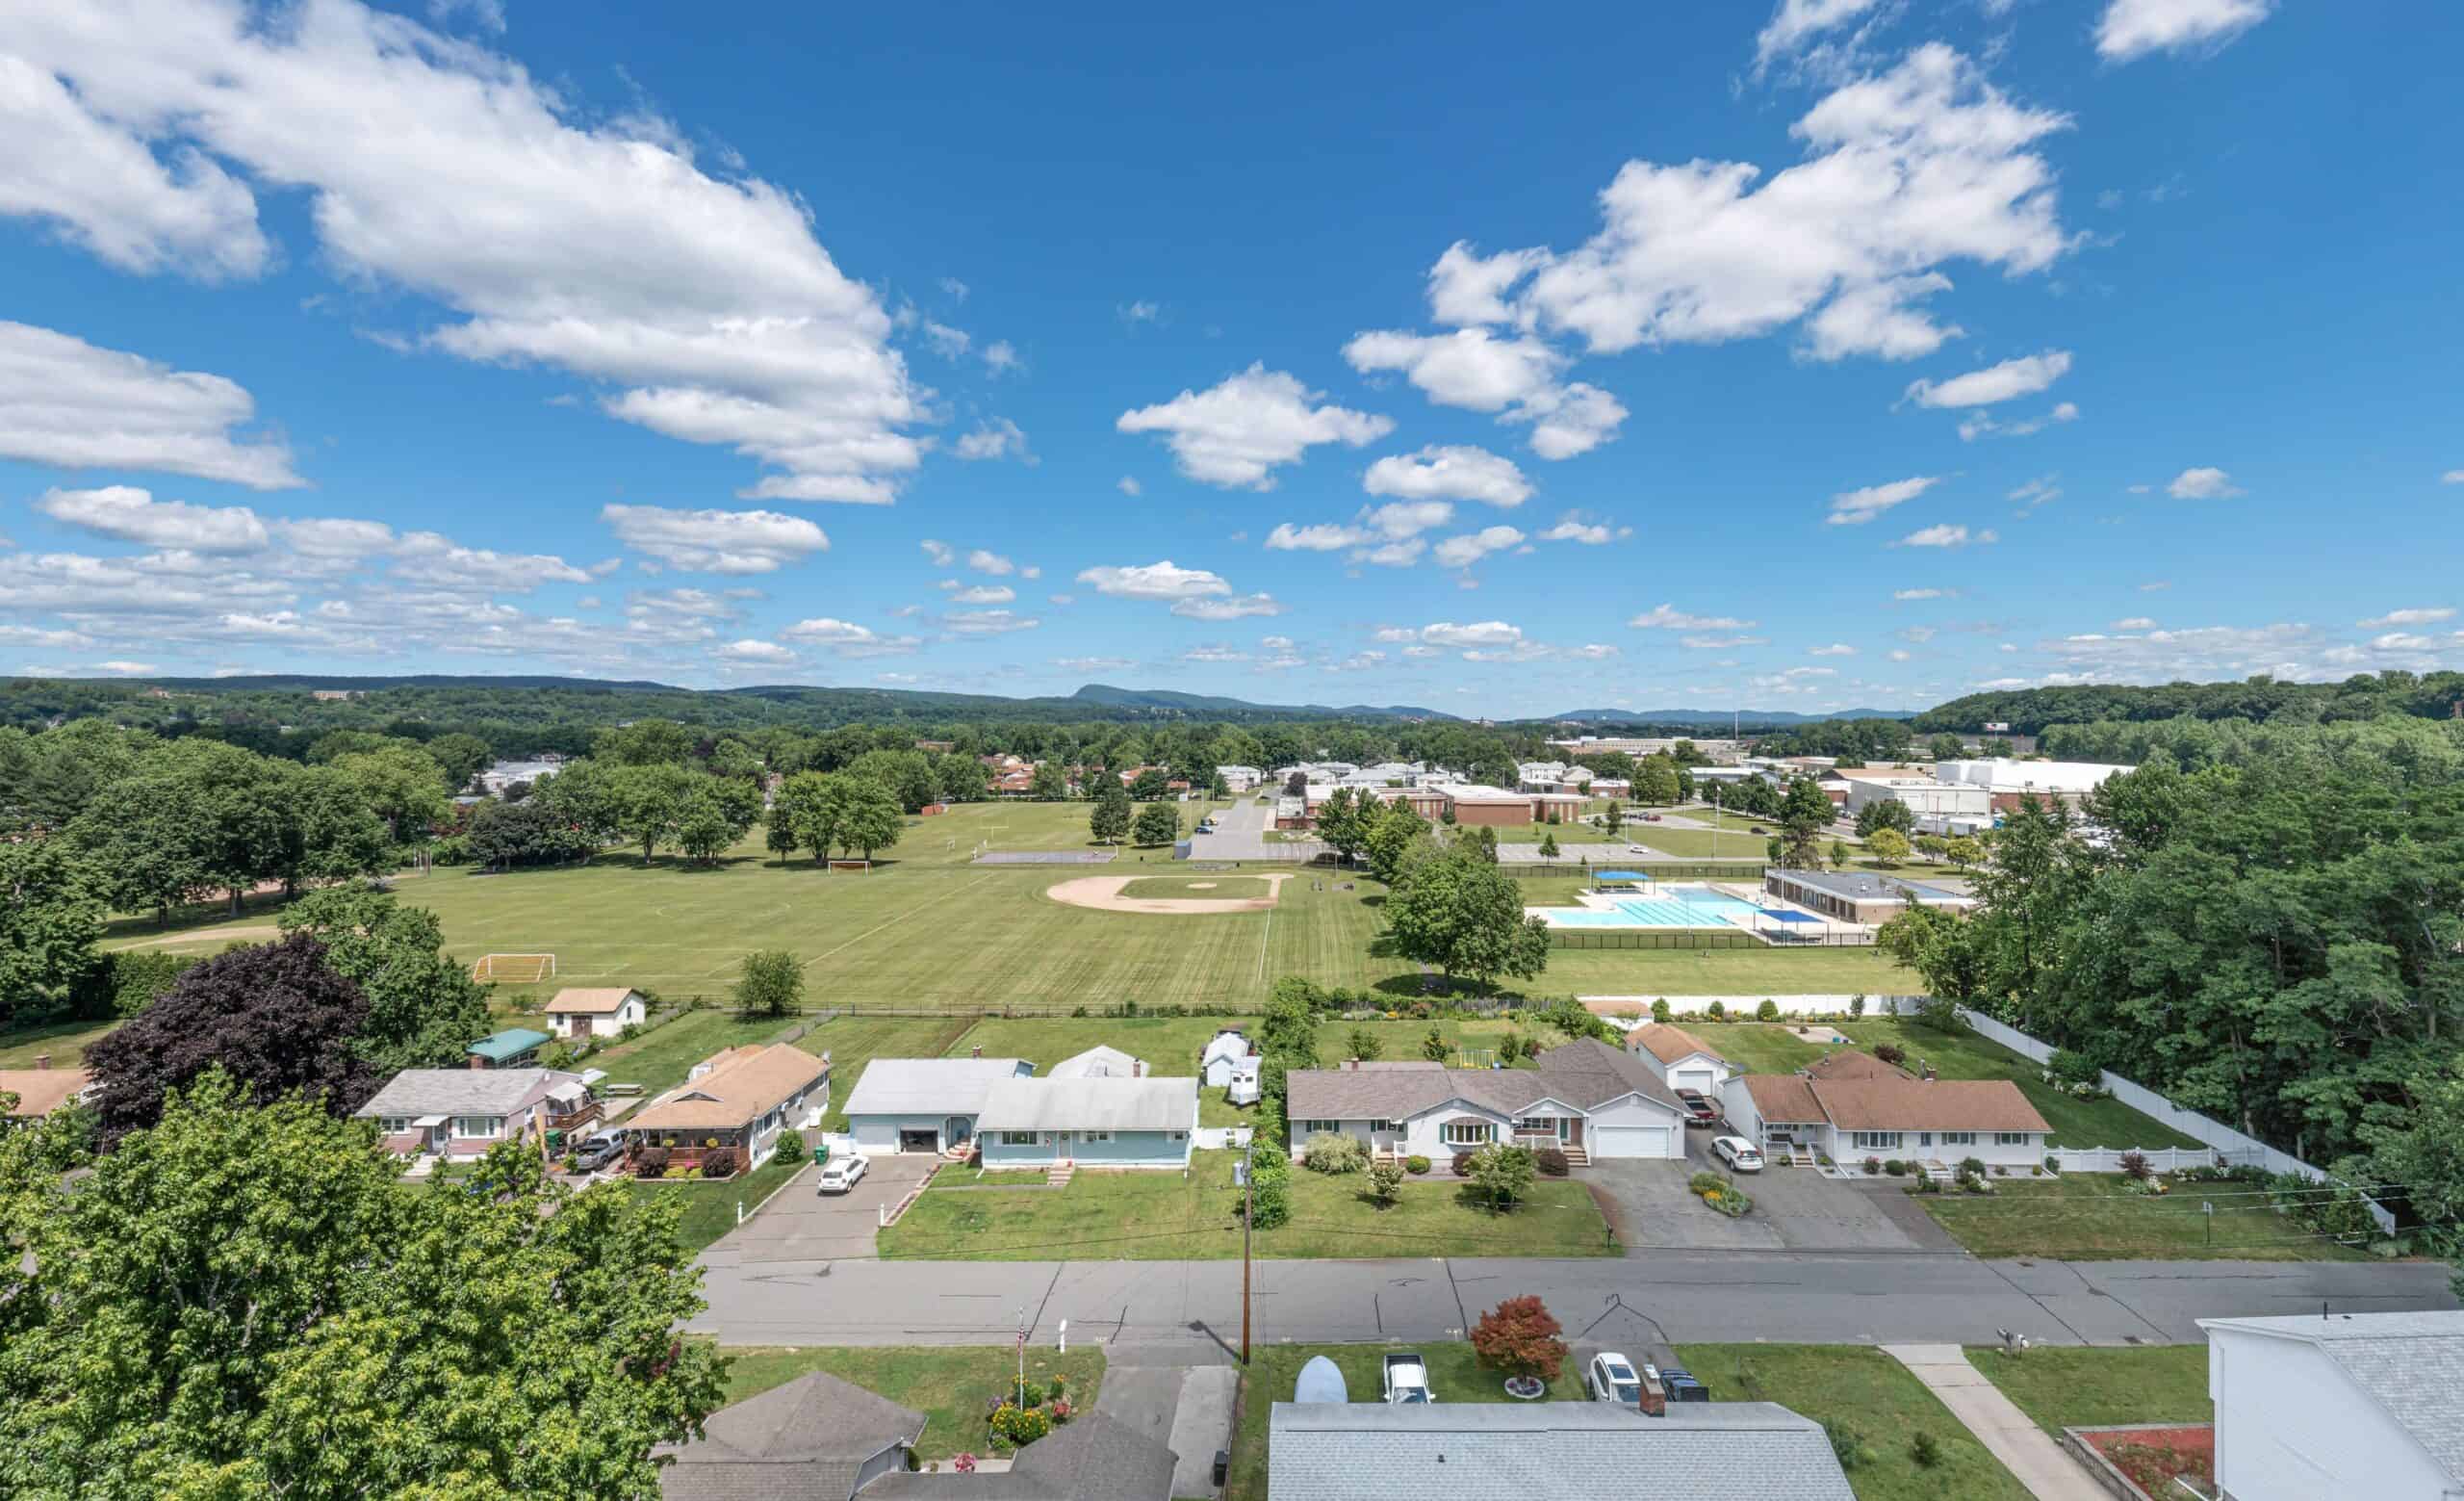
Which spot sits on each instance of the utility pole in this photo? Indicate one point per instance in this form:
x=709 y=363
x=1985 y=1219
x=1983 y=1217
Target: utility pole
x=1249 y=1214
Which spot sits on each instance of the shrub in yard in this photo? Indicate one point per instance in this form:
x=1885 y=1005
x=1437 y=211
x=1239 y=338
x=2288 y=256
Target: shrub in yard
x=1857 y=1004
x=1873 y=1165
x=1020 y=1426
x=1434 y=1046
x=2134 y=1165
x=1728 y=1201
x=1385 y=1183
x=1519 y=1336
x=1848 y=1446
x=1333 y=1151
x=1416 y=1164
x=1551 y=1162
x=1661 y=1011
x=1512 y=1046
x=1363 y=1042
x=1891 y=1053
x=1269 y=1195
x=1461 y=1165
x=1032 y=1394
x=719 y=1163
x=1503 y=1173
x=1768 y=1011
x=1925 y=1449
x=1896 y=1168
x=649 y=1162
x=791 y=1144
x=2066 y=1069
x=1972 y=1166
x=1705 y=1183
x=1717 y=1011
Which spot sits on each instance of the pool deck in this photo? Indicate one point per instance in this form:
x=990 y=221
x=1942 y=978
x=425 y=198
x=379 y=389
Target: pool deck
x=1729 y=906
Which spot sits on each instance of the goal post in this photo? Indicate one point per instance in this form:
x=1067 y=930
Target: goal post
x=850 y=866
x=515 y=968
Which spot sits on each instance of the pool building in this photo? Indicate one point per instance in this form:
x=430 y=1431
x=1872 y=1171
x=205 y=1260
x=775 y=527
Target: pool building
x=1857 y=896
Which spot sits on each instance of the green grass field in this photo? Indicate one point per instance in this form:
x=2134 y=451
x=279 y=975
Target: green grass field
x=2087 y=1217
x=1163 y=1216
x=852 y=1042
x=950 y=1385
x=64 y=1042
x=709 y=1207
x=1863 y=1392
x=2066 y=1386
x=661 y=1057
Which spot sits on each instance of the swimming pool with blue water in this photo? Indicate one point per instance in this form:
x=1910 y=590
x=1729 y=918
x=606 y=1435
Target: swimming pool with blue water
x=1670 y=907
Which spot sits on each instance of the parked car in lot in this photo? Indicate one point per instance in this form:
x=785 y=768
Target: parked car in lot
x=1699 y=1111
x=598 y=1150
x=1408 y=1378
x=841 y=1174
x=1638 y=849
x=1612 y=1378
x=1741 y=1155
x=1650 y=818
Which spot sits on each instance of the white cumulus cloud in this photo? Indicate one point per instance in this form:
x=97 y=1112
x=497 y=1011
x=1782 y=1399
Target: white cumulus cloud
x=716 y=541
x=2006 y=382
x=1440 y=471
x=2203 y=485
x=1237 y=432
x=1856 y=507
x=76 y=406
x=2135 y=28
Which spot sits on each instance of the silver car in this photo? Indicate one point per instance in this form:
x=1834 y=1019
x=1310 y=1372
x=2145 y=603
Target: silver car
x=841 y=1174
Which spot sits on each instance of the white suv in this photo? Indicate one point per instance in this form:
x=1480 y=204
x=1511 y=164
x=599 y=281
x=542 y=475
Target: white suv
x=1610 y=1378
x=1741 y=1155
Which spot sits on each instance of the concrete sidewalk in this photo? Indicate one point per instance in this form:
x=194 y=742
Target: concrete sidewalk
x=2024 y=1449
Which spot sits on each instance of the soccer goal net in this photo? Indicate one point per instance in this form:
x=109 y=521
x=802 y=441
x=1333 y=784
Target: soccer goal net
x=850 y=866
x=515 y=968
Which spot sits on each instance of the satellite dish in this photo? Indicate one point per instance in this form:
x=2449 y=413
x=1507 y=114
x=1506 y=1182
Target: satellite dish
x=1320 y=1382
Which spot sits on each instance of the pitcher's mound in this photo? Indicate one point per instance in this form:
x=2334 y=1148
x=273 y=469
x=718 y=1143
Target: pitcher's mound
x=1104 y=893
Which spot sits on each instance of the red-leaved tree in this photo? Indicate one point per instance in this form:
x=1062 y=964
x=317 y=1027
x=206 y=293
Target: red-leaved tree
x=1519 y=1336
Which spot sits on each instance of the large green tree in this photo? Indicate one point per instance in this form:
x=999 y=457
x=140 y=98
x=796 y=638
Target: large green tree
x=1108 y=821
x=244 y=1301
x=423 y=1008
x=1156 y=824
x=50 y=917
x=1462 y=913
x=863 y=813
x=650 y=799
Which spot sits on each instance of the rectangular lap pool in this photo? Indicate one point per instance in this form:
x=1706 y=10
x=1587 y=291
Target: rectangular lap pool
x=1671 y=907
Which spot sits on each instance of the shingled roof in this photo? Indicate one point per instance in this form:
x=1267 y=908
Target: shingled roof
x=1670 y=1044
x=809 y=1437
x=1585 y=1075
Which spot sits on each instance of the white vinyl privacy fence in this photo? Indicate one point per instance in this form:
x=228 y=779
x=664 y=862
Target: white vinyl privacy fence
x=2235 y=1146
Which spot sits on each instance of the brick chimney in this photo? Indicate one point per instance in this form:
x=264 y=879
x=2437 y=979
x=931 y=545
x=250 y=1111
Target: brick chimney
x=1351 y=1063
x=1137 y=1067
x=42 y=1060
x=976 y=1052
x=478 y=1062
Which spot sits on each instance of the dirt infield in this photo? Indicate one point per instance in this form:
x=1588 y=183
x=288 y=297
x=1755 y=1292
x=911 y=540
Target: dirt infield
x=1102 y=892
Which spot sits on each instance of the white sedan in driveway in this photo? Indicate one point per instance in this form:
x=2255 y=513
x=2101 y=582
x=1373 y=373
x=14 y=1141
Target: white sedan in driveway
x=840 y=1173
x=1741 y=1155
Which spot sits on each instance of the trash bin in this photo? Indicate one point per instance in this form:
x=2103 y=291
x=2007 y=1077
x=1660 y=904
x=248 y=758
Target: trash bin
x=821 y=1154
x=1222 y=1467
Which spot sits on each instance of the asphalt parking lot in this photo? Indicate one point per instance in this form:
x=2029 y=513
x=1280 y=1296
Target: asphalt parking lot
x=800 y=1224
x=1794 y=1209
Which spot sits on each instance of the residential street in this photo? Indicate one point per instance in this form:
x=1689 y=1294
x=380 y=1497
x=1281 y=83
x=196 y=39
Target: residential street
x=1187 y=1311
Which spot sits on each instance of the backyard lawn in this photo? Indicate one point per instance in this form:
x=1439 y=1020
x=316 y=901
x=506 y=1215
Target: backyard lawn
x=1762 y=1049
x=1454 y=1375
x=852 y=1042
x=950 y=1385
x=2063 y=1387
x=1163 y=1216
x=2087 y=1217
x=1861 y=1393
x=659 y=1058
x=709 y=1207
x=64 y=1042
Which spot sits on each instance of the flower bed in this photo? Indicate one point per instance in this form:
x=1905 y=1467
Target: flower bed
x=2152 y=1458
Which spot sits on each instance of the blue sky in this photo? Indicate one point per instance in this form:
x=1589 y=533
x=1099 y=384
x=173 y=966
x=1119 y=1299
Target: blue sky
x=1845 y=353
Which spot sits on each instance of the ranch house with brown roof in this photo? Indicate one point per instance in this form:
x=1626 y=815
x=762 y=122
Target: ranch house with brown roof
x=741 y=1098
x=1850 y=1111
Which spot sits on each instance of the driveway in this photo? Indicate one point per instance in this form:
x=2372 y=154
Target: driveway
x=1794 y=1209
x=800 y=1224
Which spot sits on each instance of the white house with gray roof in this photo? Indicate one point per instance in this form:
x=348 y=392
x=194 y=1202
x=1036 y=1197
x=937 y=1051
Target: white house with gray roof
x=924 y=1104
x=1590 y=1100
x=1548 y=1451
x=463 y=1112
x=2347 y=1404
x=1090 y=1122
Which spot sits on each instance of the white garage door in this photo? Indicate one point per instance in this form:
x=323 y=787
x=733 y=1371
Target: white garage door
x=1634 y=1141
x=1693 y=1078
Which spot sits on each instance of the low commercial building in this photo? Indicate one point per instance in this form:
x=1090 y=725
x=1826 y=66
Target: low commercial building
x=1548 y=1451
x=1849 y=1114
x=2007 y=782
x=1495 y=807
x=1551 y=776
x=463 y=1112
x=1720 y=753
x=742 y=1098
x=1087 y=1122
x=1944 y=807
x=2343 y=1405
x=1241 y=779
x=1858 y=896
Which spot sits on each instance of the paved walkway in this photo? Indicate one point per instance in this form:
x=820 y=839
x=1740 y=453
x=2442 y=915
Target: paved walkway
x=2024 y=1449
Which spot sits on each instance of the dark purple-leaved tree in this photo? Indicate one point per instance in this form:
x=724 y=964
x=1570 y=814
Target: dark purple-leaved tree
x=276 y=1016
